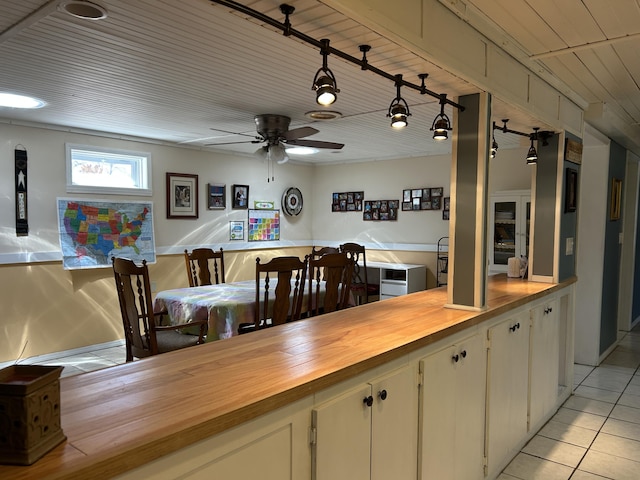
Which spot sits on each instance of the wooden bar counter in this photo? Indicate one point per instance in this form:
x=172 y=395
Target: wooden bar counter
x=123 y=417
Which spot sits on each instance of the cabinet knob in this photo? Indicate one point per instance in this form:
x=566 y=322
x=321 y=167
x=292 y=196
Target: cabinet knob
x=368 y=401
x=382 y=394
x=463 y=353
x=455 y=358
x=515 y=327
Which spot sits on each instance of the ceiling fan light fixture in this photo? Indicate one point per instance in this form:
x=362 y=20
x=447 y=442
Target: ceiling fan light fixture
x=297 y=150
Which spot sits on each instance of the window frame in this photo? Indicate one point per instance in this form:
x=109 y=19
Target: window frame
x=145 y=166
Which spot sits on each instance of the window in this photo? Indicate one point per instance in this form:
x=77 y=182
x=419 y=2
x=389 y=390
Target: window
x=105 y=170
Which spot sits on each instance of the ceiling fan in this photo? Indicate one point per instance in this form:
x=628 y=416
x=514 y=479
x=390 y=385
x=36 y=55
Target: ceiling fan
x=273 y=130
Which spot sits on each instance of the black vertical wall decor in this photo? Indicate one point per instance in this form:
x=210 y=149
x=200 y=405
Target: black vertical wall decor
x=22 y=224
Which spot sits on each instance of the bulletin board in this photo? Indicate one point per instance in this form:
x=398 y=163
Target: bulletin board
x=264 y=225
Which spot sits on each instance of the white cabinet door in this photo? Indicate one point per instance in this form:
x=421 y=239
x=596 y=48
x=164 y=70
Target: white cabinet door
x=453 y=412
x=342 y=447
x=369 y=432
x=508 y=387
x=394 y=433
x=545 y=362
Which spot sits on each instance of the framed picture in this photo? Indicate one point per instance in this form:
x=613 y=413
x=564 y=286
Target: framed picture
x=380 y=210
x=182 y=195
x=240 y=197
x=428 y=198
x=216 y=196
x=571 y=190
x=236 y=230
x=347 y=201
x=616 y=198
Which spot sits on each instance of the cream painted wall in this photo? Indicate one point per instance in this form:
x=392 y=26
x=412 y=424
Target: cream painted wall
x=50 y=309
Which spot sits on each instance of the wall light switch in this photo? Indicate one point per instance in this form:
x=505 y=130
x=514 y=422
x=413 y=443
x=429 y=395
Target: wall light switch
x=153 y=286
x=569 y=246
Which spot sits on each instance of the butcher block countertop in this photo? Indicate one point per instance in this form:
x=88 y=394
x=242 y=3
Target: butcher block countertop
x=158 y=405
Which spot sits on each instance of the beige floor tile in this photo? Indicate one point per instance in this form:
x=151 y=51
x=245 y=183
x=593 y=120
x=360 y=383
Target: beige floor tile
x=554 y=450
x=582 y=437
x=633 y=388
x=579 y=419
x=628 y=414
x=610 y=466
x=589 y=405
x=630 y=400
x=597 y=394
x=621 y=428
x=619 y=446
x=528 y=467
x=578 y=475
x=611 y=381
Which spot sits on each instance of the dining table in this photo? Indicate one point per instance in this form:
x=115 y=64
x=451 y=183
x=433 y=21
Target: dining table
x=225 y=306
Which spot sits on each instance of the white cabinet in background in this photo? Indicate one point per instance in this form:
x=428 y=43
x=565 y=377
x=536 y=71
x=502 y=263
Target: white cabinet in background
x=368 y=433
x=509 y=228
x=397 y=279
x=452 y=411
x=507 y=390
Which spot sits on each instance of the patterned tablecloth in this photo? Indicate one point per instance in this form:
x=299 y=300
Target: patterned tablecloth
x=225 y=306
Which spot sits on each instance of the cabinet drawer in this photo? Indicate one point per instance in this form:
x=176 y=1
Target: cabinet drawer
x=393 y=288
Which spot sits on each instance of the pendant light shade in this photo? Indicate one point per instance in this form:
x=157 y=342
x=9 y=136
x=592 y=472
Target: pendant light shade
x=441 y=124
x=532 y=155
x=398 y=110
x=324 y=82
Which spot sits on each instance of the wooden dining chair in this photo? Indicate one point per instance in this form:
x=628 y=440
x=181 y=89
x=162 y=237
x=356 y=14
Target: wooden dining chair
x=144 y=332
x=319 y=252
x=198 y=264
x=329 y=283
x=280 y=285
x=360 y=286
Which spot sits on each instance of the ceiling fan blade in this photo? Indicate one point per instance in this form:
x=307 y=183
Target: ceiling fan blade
x=299 y=133
x=316 y=144
x=233 y=133
x=257 y=140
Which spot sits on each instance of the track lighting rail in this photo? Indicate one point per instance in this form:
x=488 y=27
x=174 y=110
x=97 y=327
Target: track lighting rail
x=363 y=63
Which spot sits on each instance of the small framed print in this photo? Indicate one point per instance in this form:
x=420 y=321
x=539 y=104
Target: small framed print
x=182 y=195
x=236 y=230
x=216 y=196
x=240 y=197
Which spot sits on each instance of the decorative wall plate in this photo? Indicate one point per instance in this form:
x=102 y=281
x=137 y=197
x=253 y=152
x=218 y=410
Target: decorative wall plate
x=292 y=201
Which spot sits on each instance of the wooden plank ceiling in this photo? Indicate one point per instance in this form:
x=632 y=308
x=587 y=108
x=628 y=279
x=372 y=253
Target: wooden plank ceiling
x=194 y=73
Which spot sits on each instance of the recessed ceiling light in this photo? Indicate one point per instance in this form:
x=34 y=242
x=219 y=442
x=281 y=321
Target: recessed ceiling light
x=84 y=9
x=301 y=150
x=19 y=101
x=323 y=115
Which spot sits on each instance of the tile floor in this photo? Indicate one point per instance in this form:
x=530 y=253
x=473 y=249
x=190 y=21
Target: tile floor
x=594 y=436
x=596 y=433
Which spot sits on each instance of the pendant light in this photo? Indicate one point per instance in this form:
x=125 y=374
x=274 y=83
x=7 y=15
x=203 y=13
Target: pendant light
x=324 y=82
x=532 y=155
x=398 y=110
x=441 y=124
